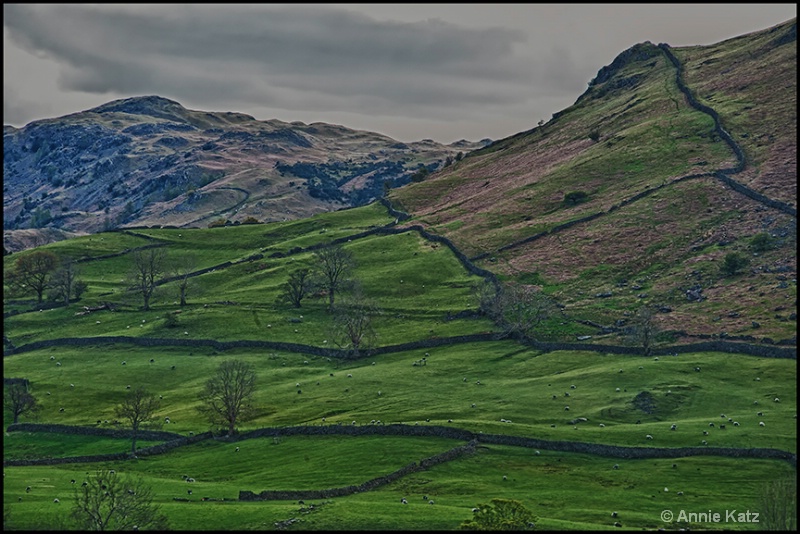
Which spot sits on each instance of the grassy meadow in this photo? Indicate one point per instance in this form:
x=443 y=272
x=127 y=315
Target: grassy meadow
x=498 y=387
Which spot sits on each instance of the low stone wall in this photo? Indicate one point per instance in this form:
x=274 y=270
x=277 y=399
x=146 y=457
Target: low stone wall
x=175 y=440
x=376 y=482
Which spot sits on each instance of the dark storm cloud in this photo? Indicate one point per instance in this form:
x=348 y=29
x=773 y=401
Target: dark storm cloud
x=243 y=51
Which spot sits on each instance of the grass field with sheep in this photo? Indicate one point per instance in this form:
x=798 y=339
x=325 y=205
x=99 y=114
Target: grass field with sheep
x=492 y=387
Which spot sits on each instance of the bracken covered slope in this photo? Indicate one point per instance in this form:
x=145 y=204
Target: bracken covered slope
x=671 y=160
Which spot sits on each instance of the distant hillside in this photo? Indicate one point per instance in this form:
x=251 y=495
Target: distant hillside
x=150 y=161
x=670 y=161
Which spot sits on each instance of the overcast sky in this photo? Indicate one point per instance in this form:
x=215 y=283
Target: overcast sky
x=409 y=71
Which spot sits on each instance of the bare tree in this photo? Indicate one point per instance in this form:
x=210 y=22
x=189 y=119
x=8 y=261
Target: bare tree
x=64 y=279
x=138 y=408
x=182 y=269
x=297 y=288
x=643 y=329
x=148 y=267
x=19 y=401
x=32 y=272
x=778 y=504
x=518 y=309
x=227 y=396
x=335 y=264
x=112 y=501
x=352 y=322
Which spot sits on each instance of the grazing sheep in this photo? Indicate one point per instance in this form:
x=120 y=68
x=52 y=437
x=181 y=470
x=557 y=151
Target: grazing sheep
x=697 y=369
x=349 y=375
x=478 y=383
x=674 y=466
x=648 y=436
x=736 y=423
x=505 y=477
x=705 y=432
x=761 y=423
x=722 y=427
x=56 y=501
x=666 y=490
x=755 y=402
x=613 y=514
x=566 y=408
x=760 y=414
x=52 y=357
x=58 y=364
x=704 y=442
x=473 y=405
x=566 y=394
x=190 y=479
x=777 y=399
x=128 y=386
x=537 y=452
x=72 y=481
x=554 y=397
x=680 y=493
x=710 y=424
x=602 y=425
x=28 y=489
x=616 y=466
x=189 y=492
x=722 y=415
x=123 y=362
x=297 y=385
x=617 y=390
x=403 y=500
x=430 y=502
x=72 y=385
x=673 y=427
x=61 y=409
x=237 y=449
x=572 y=386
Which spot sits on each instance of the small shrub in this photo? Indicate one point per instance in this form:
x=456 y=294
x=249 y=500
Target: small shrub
x=733 y=264
x=216 y=223
x=573 y=198
x=594 y=135
x=762 y=242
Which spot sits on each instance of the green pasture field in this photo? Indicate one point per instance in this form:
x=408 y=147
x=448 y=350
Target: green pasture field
x=566 y=491
x=498 y=387
x=516 y=384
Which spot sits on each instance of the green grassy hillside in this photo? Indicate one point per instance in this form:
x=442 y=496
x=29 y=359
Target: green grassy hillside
x=496 y=387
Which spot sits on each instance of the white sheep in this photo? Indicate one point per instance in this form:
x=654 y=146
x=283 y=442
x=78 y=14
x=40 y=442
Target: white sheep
x=124 y=362
x=58 y=364
x=617 y=390
x=72 y=385
x=56 y=501
x=704 y=442
x=673 y=427
x=52 y=357
x=190 y=479
x=761 y=423
x=237 y=449
x=648 y=436
x=777 y=399
x=566 y=408
x=349 y=375
x=602 y=425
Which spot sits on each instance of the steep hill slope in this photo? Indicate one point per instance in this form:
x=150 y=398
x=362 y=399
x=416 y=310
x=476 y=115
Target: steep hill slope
x=150 y=161
x=671 y=160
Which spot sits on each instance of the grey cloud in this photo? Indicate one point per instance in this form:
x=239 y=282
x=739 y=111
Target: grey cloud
x=315 y=50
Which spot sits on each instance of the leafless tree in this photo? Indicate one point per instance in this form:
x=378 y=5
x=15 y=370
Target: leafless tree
x=148 y=267
x=352 y=322
x=335 y=265
x=112 y=501
x=182 y=269
x=32 y=272
x=778 y=504
x=227 y=396
x=518 y=309
x=19 y=401
x=643 y=329
x=64 y=278
x=138 y=408
x=297 y=288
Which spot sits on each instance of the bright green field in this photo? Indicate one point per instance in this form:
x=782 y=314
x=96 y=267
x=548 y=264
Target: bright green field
x=469 y=386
